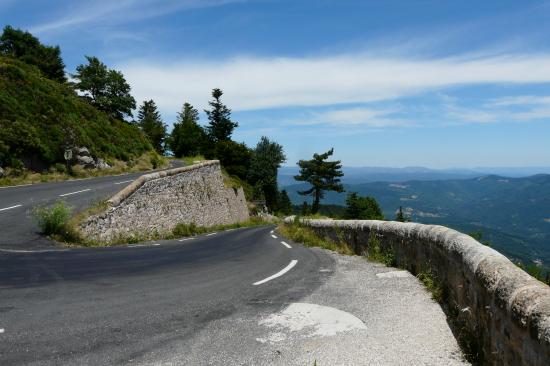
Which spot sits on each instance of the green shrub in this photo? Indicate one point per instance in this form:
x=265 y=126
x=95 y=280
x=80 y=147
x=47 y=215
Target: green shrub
x=187 y=230
x=53 y=220
x=305 y=235
x=61 y=168
x=432 y=283
x=377 y=254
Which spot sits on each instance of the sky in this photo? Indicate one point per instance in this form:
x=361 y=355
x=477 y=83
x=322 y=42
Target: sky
x=434 y=83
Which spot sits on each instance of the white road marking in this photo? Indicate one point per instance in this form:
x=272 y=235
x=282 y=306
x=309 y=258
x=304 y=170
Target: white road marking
x=135 y=245
x=156 y=244
x=1 y=330
x=186 y=239
x=214 y=233
x=126 y=181
x=9 y=208
x=278 y=274
x=286 y=245
x=32 y=251
x=271 y=232
x=273 y=236
x=68 y=194
x=230 y=229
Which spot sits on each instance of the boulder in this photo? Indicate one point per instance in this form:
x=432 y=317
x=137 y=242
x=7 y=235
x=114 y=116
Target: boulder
x=86 y=161
x=101 y=164
x=81 y=151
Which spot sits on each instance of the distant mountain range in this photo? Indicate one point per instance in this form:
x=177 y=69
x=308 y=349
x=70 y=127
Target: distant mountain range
x=513 y=213
x=358 y=175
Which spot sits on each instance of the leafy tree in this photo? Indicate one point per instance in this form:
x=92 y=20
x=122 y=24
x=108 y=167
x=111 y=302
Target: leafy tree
x=27 y=48
x=478 y=235
x=106 y=89
x=234 y=157
x=362 y=208
x=400 y=216
x=188 y=137
x=323 y=175
x=220 y=127
x=267 y=157
x=285 y=205
x=151 y=124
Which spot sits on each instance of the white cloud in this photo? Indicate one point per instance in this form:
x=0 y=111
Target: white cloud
x=90 y=12
x=259 y=83
x=357 y=117
x=519 y=101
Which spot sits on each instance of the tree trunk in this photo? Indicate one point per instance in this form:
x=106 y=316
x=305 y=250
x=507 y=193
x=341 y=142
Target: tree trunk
x=316 y=199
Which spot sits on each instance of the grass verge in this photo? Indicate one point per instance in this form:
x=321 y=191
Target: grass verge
x=302 y=234
x=58 y=172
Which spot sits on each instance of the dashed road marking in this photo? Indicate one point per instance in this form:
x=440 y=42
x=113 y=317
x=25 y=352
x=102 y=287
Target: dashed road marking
x=278 y=274
x=185 y=239
x=9 y=208
x=1 y=330
x=286 y=245
x=271 y=232
x=214 y=233
x=125 y=181
x=68 y=194
x=273 y=236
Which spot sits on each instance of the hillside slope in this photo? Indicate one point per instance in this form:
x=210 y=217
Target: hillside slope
x=513 y=213
x=39 y=117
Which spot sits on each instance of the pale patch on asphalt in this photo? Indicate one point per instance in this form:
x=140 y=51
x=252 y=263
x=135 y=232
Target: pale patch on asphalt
x=68 y=194
x=394 y=274
x=9 y=208
x=278 y=274
x=312 y=320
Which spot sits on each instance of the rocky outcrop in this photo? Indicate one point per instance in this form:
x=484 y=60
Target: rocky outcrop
x=159 y=201
x=500 y=305
x=83 y=157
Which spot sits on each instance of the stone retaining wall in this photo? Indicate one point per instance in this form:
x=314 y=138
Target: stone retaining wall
x=161 y=200
x=507 y=309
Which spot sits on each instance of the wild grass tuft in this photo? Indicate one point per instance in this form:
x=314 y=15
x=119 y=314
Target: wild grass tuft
x=433 y=284
x=305 y=235
x=375 y=252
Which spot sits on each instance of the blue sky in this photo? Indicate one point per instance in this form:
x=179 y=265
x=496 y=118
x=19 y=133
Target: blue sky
x=386 y=83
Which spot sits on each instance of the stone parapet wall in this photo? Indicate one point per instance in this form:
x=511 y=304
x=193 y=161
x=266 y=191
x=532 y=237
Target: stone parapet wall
x=507 y=310
x=161 y=200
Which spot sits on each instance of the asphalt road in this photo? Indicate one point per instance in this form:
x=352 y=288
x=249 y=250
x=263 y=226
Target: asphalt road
x=112 y=305
x=19 y=231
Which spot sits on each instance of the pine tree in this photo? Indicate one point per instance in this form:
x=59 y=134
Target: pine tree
x=322 y=175
x=151 y=124
x=400 y=216
x=362 y=208
x=220 y=127
x=285 y=205
x=187 y=137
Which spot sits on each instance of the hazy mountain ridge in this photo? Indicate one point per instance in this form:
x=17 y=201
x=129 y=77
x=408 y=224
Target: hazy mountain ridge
x=513 y=213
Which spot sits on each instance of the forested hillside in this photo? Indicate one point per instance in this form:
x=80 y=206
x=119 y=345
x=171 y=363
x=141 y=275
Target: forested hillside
x=512 y=213
x=39 y=117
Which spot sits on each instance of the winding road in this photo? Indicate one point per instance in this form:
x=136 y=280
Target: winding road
x=235 y=297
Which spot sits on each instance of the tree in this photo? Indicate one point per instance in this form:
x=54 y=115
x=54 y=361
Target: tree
x=27 y=48
x=106 y=89
x=305 y=209
x=400 y=216
x=285 y=205
x=220 y=127
x=362 y=208
x=322 y=175
x=266 y=160
x=188 y=137
x=150 y=122
x=234 y=157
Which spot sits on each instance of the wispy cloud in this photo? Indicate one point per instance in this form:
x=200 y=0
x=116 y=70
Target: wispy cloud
x=520 y=101
x=258 y=83
x=355 y=116
x=93 y=12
